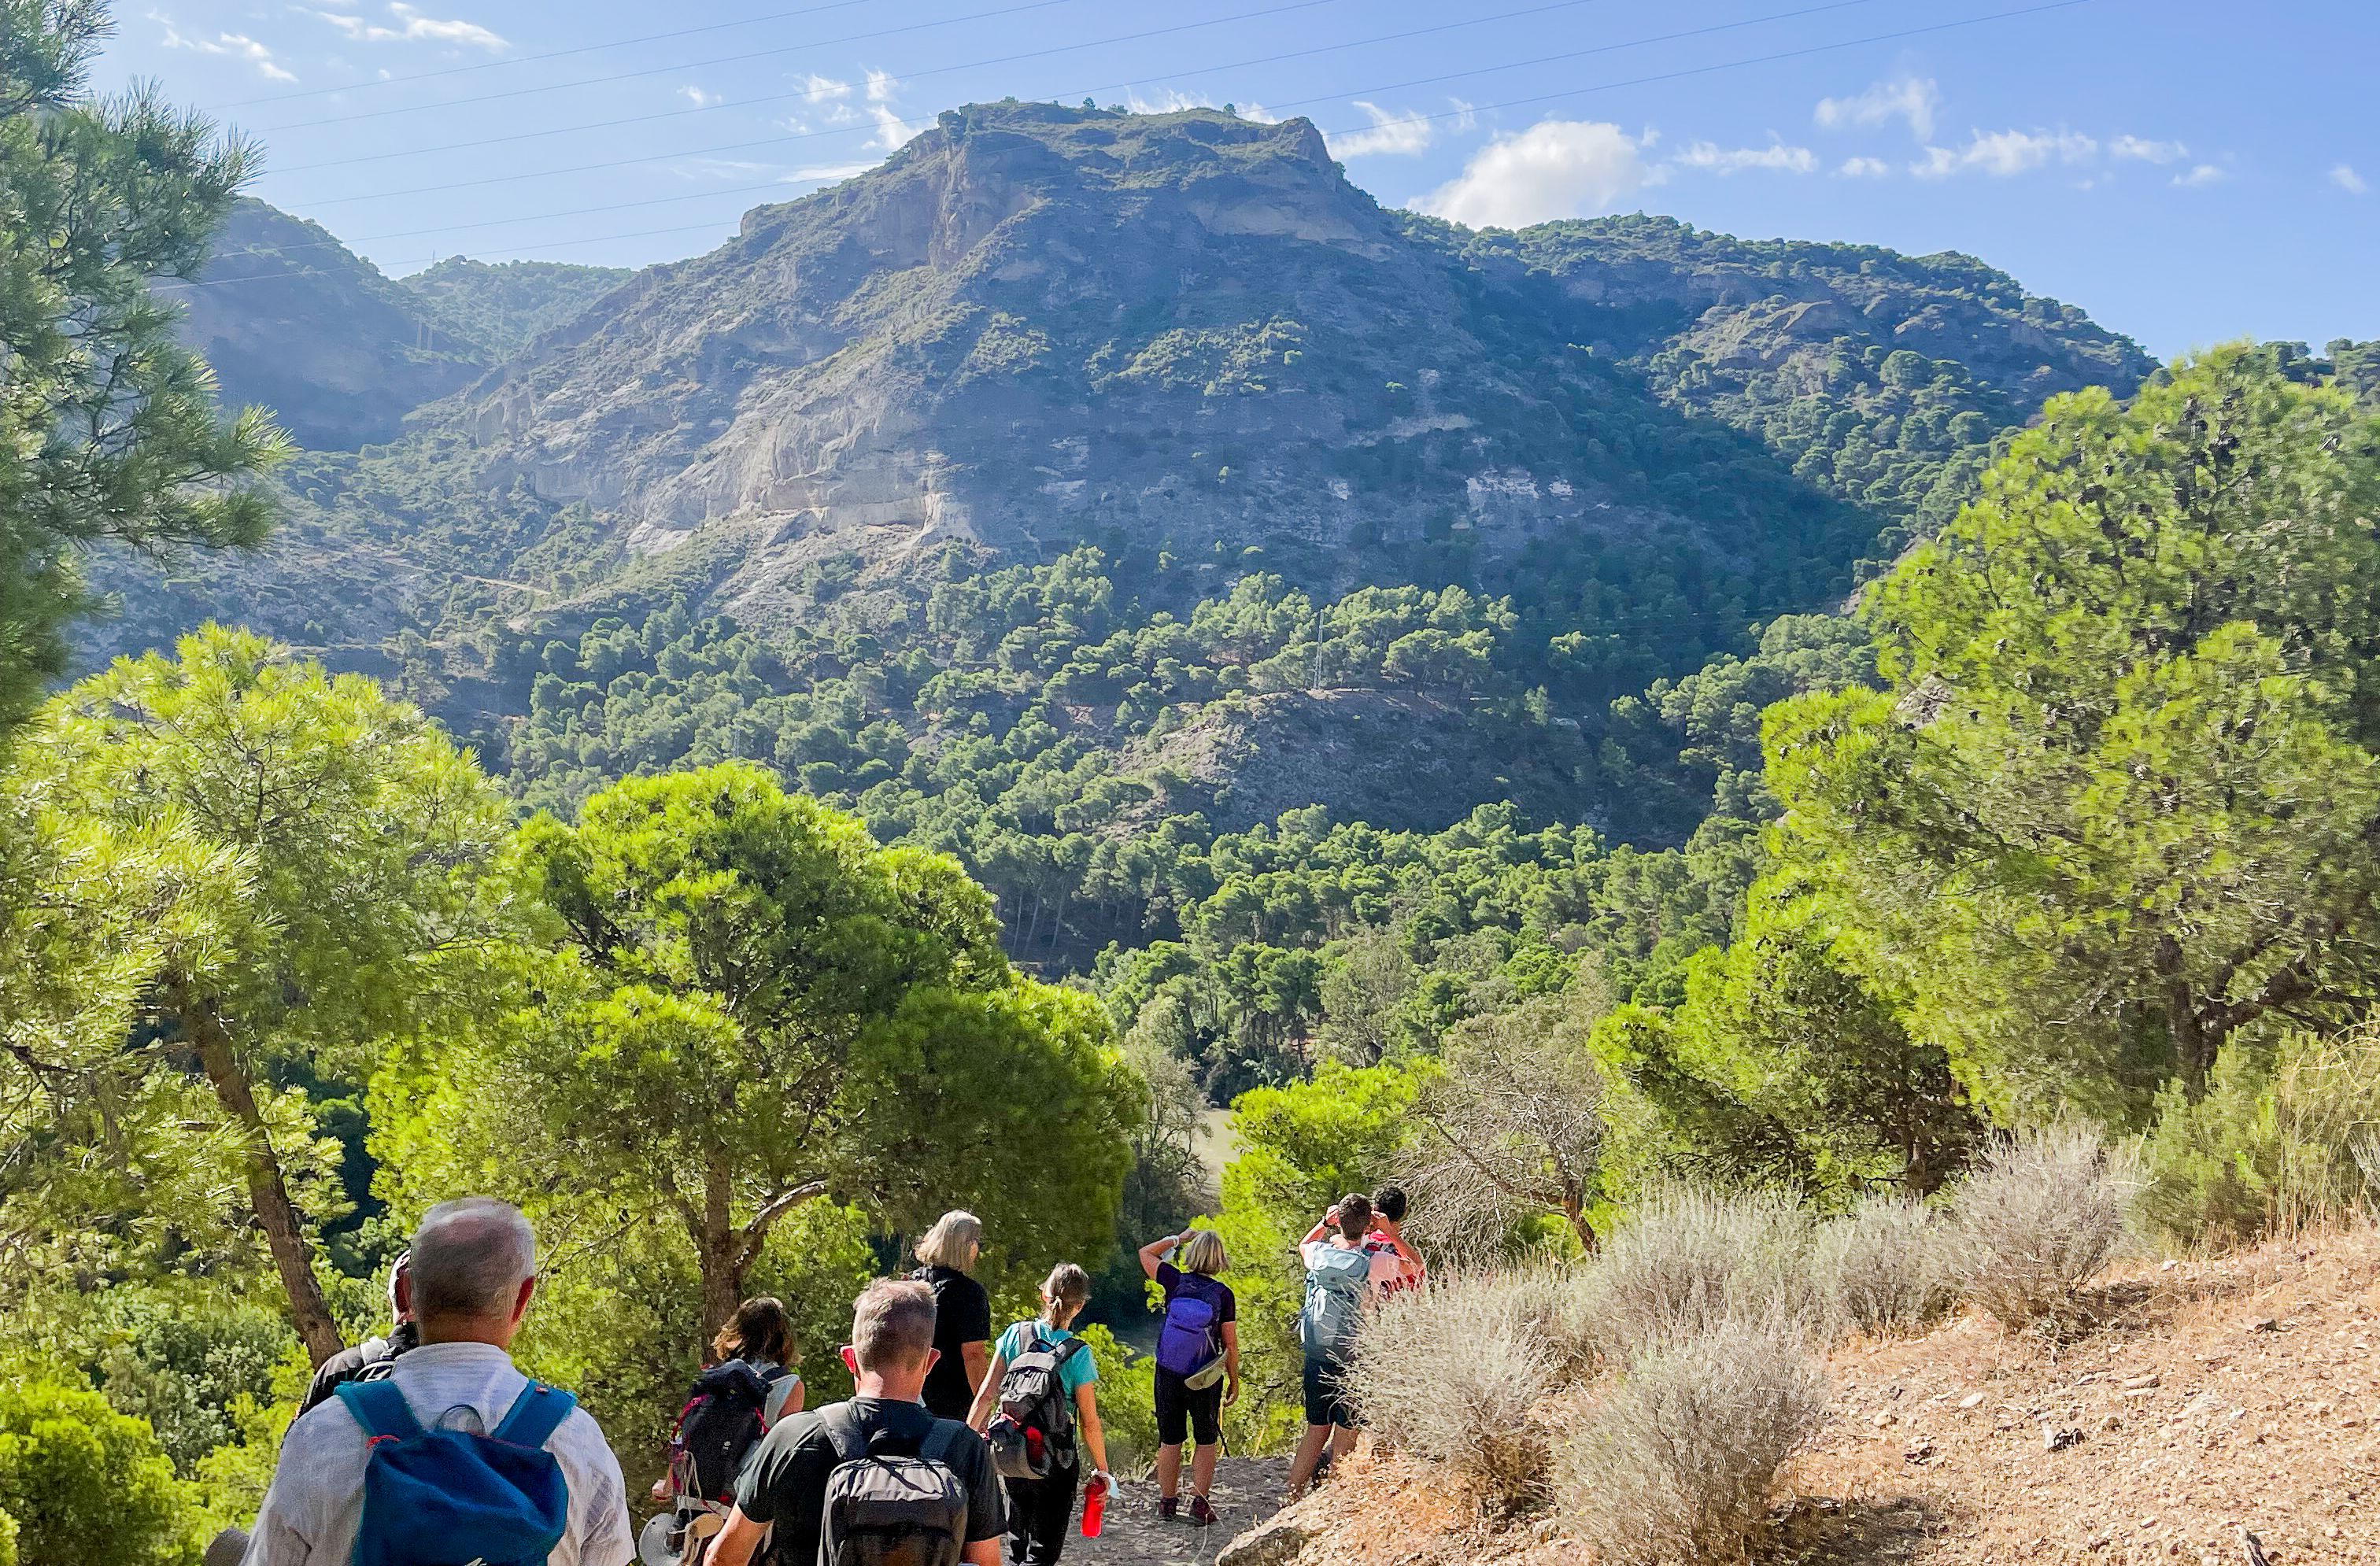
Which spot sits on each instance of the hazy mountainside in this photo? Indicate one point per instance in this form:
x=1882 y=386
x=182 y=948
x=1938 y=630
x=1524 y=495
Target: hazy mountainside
x=291 y=319
x=505 y=306
x=1211 y=400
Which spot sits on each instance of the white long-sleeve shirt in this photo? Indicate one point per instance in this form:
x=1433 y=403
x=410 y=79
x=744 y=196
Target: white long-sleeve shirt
x=316 y=1505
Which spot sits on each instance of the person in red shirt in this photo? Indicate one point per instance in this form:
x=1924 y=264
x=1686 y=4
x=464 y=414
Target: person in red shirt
x=1395 y=1264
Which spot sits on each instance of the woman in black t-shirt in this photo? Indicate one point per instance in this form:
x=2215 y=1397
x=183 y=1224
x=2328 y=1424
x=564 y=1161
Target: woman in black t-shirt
x=1181 y=1408
x=962 y=1312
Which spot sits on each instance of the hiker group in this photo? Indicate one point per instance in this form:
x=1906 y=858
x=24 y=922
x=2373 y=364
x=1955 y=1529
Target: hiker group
x=428 y=1447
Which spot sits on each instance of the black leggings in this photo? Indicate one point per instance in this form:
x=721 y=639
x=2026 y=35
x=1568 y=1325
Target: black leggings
x=1039 y=1512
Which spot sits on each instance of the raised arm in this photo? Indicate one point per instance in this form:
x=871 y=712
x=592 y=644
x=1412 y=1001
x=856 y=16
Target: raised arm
x=1156 y=1251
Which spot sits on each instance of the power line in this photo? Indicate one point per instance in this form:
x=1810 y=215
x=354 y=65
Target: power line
x=1567 y=92
x=531 y=60
x=821 y=43
x=944 y=70
x=785 y=137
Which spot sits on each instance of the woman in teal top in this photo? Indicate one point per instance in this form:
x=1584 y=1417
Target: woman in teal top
x=1039 y=1509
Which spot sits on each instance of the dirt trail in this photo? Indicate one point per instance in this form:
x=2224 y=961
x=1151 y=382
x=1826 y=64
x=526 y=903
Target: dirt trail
x=1247 y=1491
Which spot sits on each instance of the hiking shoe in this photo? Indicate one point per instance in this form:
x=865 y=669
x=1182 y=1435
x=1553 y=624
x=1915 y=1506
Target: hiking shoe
x=1202 y=1512
x=1168 y=1507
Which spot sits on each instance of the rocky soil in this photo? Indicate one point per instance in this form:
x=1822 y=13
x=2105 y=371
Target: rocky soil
x=2215 y=1399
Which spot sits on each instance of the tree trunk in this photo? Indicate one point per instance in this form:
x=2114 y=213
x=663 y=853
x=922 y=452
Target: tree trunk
x=268 y=1195
x=1574 y=1211
x=724 y=1262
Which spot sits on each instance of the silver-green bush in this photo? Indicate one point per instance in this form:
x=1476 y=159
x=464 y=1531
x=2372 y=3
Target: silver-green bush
x=2041 y=1217
x=1450 y=1372
x=1677 y=1462
x=1887 y=1266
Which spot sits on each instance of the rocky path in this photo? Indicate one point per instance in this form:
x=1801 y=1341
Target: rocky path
x=1247 y=1491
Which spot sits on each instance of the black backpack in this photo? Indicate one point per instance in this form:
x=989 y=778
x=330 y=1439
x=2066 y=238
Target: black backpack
x=727 y=1412
x=1035 y=1429
x=887 y=1506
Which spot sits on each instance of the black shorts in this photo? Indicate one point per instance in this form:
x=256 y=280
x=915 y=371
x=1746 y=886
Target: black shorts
x=1325 y=1399
x=1180 y=1411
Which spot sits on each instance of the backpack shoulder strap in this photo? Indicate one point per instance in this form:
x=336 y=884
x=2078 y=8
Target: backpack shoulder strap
x=843 y=1432
x=381 y=1409
x=774 y=1374
x=536 y=1414
x=1067 y=1350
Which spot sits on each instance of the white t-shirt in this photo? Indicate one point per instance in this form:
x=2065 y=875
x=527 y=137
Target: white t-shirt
x=316 y=1504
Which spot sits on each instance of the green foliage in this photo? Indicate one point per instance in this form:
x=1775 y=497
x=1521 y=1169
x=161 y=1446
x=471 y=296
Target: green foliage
x=185 y=1370
x=2114 y=813
x=2282 y=1139
x=501 y=309
x=752 y=1005
x=110 y=425
x=84 y=1483
x=312 y=857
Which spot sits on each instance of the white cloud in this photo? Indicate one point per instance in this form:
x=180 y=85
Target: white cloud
x=2346 y=179
x=697 y=97
x=236 y=45
x=1403 y=136
x=2006 y=153
x=1465 y=114
x=826 y=171
x=824 y=89
x=1719 y=159
x=1865 y=168
x=1556 y=168
x=1904 y=97
x=413 y=26
x=724 y=168
x=891 y=130
x=2204 y=173
x=2124 y=147
x=880 y=87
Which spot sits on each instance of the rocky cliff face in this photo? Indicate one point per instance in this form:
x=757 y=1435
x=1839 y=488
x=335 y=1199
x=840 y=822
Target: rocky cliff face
x=1036 y=325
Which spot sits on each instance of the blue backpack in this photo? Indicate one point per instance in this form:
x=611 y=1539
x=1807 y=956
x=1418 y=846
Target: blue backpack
x=450 y=1497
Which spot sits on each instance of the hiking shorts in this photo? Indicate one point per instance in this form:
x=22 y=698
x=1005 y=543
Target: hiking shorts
x=1180 y=1411
x=1326 y=1398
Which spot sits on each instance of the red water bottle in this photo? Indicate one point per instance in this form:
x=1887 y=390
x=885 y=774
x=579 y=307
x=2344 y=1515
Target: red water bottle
x=1095 y=1505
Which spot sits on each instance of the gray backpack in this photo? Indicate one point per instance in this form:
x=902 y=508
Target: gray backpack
x=889 y=1507
x=1335 y=1287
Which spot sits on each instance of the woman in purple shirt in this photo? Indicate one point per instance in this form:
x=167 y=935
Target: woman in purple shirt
x=1192 y=1388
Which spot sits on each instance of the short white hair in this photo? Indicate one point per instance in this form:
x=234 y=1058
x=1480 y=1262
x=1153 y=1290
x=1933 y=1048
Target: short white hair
x=952 y=1241
x=469 y=1258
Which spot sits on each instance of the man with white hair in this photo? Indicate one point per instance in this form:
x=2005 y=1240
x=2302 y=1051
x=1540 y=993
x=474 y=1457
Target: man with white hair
x=472 y=1273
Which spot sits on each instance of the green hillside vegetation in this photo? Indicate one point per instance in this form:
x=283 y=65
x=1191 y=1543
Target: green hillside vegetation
x=503 y=307
x=737 y=896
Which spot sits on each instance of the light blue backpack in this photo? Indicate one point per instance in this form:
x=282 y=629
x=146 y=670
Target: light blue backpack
x=1335 y=1288
x=454 y=1497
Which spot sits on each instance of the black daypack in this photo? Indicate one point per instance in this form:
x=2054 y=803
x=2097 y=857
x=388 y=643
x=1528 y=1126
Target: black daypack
x=1035 y=1430
x=887 y=1506
x=727 y=1413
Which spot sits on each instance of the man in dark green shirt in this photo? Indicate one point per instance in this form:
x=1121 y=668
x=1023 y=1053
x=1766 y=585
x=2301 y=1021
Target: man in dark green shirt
x=784 y=1484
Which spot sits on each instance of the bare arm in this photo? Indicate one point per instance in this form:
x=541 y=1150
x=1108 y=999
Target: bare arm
x=1320 y=1230
x=1232 y=1361
x=986 y=1392
x=972 y=1356
x=1154 y=1252
x=735 y=1543
x=983 y=1552
x=1087 y=1414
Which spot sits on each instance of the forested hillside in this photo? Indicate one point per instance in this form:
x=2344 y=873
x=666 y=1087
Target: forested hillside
x=1093 y=622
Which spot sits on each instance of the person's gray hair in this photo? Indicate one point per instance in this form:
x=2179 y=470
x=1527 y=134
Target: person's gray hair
x=471 y=1256
x=952 y=1242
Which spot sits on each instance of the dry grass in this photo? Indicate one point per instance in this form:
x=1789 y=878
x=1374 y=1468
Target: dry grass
x=1693 y=1260
x=1678 y=1457
x=1450 y=1374
x=1885 y=1269
x=2042 y=1217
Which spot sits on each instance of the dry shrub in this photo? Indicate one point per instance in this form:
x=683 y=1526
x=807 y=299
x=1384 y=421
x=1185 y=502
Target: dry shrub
x=2039 y=1218
x=1449 y=1373
x=1692 y=1259
x=1676 y=1462
x=1886 y=1267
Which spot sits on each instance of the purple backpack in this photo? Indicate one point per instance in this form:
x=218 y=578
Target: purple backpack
x=1187 y=1347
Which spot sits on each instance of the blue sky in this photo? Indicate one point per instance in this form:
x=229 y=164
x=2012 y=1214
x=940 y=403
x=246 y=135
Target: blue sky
x=2186 y=172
